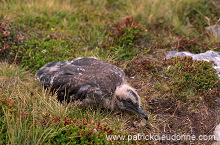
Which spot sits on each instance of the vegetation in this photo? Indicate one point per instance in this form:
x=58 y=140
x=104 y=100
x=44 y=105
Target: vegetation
x=31 y=116
x=190 y=77
x=180 y=94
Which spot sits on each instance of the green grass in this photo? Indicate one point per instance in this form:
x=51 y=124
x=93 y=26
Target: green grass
x=134 y=35
x=66 y=30
x=29 y=115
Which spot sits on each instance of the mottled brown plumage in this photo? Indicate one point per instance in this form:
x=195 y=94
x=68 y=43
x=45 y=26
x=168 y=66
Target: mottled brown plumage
x=90 y=82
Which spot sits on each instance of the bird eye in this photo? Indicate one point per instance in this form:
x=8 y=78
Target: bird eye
x=129 y=101
x=118 y=97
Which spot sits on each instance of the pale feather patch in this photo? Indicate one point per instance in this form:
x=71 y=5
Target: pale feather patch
x=123 y=93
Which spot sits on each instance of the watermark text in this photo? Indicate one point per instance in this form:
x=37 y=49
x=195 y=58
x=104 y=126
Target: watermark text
x=160 y=137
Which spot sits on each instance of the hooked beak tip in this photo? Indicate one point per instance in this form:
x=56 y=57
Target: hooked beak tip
x=146 y=117
x=142 y=113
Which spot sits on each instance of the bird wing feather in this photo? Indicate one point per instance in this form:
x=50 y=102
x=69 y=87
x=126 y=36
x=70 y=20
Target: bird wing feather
x=81 y=78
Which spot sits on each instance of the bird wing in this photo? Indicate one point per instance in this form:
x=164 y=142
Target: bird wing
x=81 y=78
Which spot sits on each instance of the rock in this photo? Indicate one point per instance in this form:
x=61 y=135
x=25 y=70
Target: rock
x=214 y=29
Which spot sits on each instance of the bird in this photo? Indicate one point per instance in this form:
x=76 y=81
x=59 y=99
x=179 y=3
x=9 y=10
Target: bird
x=90 y=81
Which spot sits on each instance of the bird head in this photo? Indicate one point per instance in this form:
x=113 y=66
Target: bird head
x=127 y=99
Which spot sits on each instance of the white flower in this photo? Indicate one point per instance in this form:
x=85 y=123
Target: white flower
x=44 y=51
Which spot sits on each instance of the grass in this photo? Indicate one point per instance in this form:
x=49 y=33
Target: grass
x=30 y=115
x=134 y=35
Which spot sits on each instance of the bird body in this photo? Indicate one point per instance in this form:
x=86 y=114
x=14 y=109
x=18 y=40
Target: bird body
x=90 y=82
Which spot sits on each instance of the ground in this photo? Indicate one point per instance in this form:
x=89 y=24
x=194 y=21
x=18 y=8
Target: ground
x=180 y=95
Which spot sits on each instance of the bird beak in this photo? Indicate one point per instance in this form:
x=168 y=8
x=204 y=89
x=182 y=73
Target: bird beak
x=142 y=113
